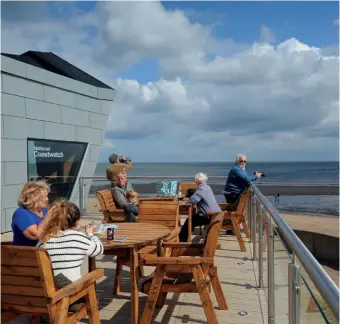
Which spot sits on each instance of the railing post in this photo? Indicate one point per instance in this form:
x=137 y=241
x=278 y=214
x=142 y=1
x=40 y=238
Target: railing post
x=294 y=293
x=271 y=274
x=253 y=229
x=249 y=213
x=260 y=214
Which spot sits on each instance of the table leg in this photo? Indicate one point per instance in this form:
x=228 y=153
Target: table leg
x=189 y=223
x=92 y=264
x=160 y=248
x=134 y=285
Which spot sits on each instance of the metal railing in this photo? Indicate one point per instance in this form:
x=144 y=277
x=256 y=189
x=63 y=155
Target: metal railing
x=263 y=219
x=261 y=211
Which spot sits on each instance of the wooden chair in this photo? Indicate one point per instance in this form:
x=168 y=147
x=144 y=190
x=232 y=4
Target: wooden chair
x=107 y=206
x=154 y=212
x=28 y=287
x=186 y=185
x=186 y=270
x=236 y=218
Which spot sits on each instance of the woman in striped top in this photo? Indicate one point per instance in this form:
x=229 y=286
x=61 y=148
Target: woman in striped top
x=66 y=246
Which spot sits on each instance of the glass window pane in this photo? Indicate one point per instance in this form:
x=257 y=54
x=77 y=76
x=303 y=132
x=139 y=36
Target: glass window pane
x=56 y=161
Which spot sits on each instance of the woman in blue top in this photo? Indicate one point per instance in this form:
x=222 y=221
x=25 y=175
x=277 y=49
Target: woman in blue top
x=27 y=219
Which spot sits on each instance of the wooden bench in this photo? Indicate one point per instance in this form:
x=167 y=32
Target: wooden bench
x=28 y=287
x=108 y=207
x=233 y=219
x=186 y=270
x=154 y=212
x=156 y=199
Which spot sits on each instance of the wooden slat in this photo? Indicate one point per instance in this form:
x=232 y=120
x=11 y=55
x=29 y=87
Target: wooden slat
x=10 y=254
x=158 y=206
x=22 y=300
x=22 y=290
x=171 y=224
x=158 y=216
x=24 y=309
x=21 y=281
x=21 y=271
x=20 y=261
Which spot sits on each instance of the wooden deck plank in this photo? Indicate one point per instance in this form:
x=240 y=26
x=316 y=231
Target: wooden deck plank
x=238 y=280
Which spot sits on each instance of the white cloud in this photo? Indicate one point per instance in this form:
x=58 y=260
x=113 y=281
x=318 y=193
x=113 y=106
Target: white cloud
x=108 y=144
x=266 y=34
x=215 y=97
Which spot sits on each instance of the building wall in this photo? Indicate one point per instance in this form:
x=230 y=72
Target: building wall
x=40 y=104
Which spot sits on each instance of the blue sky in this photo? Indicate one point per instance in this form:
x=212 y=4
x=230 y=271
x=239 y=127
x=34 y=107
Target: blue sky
x=200 y=81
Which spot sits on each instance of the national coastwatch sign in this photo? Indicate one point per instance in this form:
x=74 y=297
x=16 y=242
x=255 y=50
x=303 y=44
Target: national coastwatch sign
x=58 y=162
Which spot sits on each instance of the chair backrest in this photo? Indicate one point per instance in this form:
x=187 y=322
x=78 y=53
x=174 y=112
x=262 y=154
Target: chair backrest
x=186 y=185
x=211 y=240
x=106 y=201
x=141 y=200
x=159 y=212
x=26 y=280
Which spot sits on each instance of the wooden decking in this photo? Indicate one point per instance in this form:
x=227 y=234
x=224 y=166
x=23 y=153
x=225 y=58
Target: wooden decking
x=237 y=274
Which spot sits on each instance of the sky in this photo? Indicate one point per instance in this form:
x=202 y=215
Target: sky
x=199 y=81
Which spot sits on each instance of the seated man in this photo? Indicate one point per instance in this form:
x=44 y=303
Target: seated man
x=120 y=196
x=205 y=201
x=237 y=183
x=116 y=165
x=238 y=180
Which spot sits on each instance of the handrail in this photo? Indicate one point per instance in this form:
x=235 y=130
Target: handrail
x=323 y=283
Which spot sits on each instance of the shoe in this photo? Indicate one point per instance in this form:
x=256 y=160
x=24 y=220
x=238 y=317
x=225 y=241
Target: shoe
x=229 y=232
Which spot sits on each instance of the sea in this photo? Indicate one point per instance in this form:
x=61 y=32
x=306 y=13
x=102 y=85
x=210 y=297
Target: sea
x=287 y=173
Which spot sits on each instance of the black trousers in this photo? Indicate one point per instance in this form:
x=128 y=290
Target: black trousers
x=197 y=220
x=60 y=282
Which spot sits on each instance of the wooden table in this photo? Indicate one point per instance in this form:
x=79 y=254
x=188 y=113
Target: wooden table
x=139 y=235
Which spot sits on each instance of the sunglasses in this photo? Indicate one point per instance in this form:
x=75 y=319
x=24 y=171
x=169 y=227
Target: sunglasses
x=243 y=161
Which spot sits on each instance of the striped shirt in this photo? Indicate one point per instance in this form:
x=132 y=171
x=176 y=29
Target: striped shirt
x=67 y=251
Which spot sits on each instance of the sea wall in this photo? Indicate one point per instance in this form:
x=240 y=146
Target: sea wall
x=324 y=248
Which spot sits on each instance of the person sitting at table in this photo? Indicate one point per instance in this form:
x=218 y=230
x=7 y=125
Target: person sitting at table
x=65 y=244
x=27 y=220
x=119 y=194
x=205 y=201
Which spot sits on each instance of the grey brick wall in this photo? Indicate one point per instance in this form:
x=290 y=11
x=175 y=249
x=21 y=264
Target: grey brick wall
x=39 y=104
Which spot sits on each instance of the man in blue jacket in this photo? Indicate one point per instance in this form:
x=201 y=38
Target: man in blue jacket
x=238 y=180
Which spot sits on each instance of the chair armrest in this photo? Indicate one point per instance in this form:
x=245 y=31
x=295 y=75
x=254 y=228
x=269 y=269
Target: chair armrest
x=183 y=245
x=77 y=286
x=172 y=234
x=211 y=213
x=181 y=260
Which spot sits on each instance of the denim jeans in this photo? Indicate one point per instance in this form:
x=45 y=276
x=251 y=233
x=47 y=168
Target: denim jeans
x=130 y=212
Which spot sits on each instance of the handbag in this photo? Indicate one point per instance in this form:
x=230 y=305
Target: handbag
x=167 y=188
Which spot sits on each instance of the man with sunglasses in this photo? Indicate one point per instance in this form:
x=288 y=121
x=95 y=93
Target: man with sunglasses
x=238 y=180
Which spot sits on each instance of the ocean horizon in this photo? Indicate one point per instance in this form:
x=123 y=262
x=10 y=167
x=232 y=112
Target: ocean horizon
x=285 y=173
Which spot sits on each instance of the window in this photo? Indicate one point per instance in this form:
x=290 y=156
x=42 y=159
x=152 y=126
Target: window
x=56 y=161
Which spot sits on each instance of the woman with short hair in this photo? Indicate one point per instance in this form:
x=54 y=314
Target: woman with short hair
x=205 y=201
x=27 y=218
